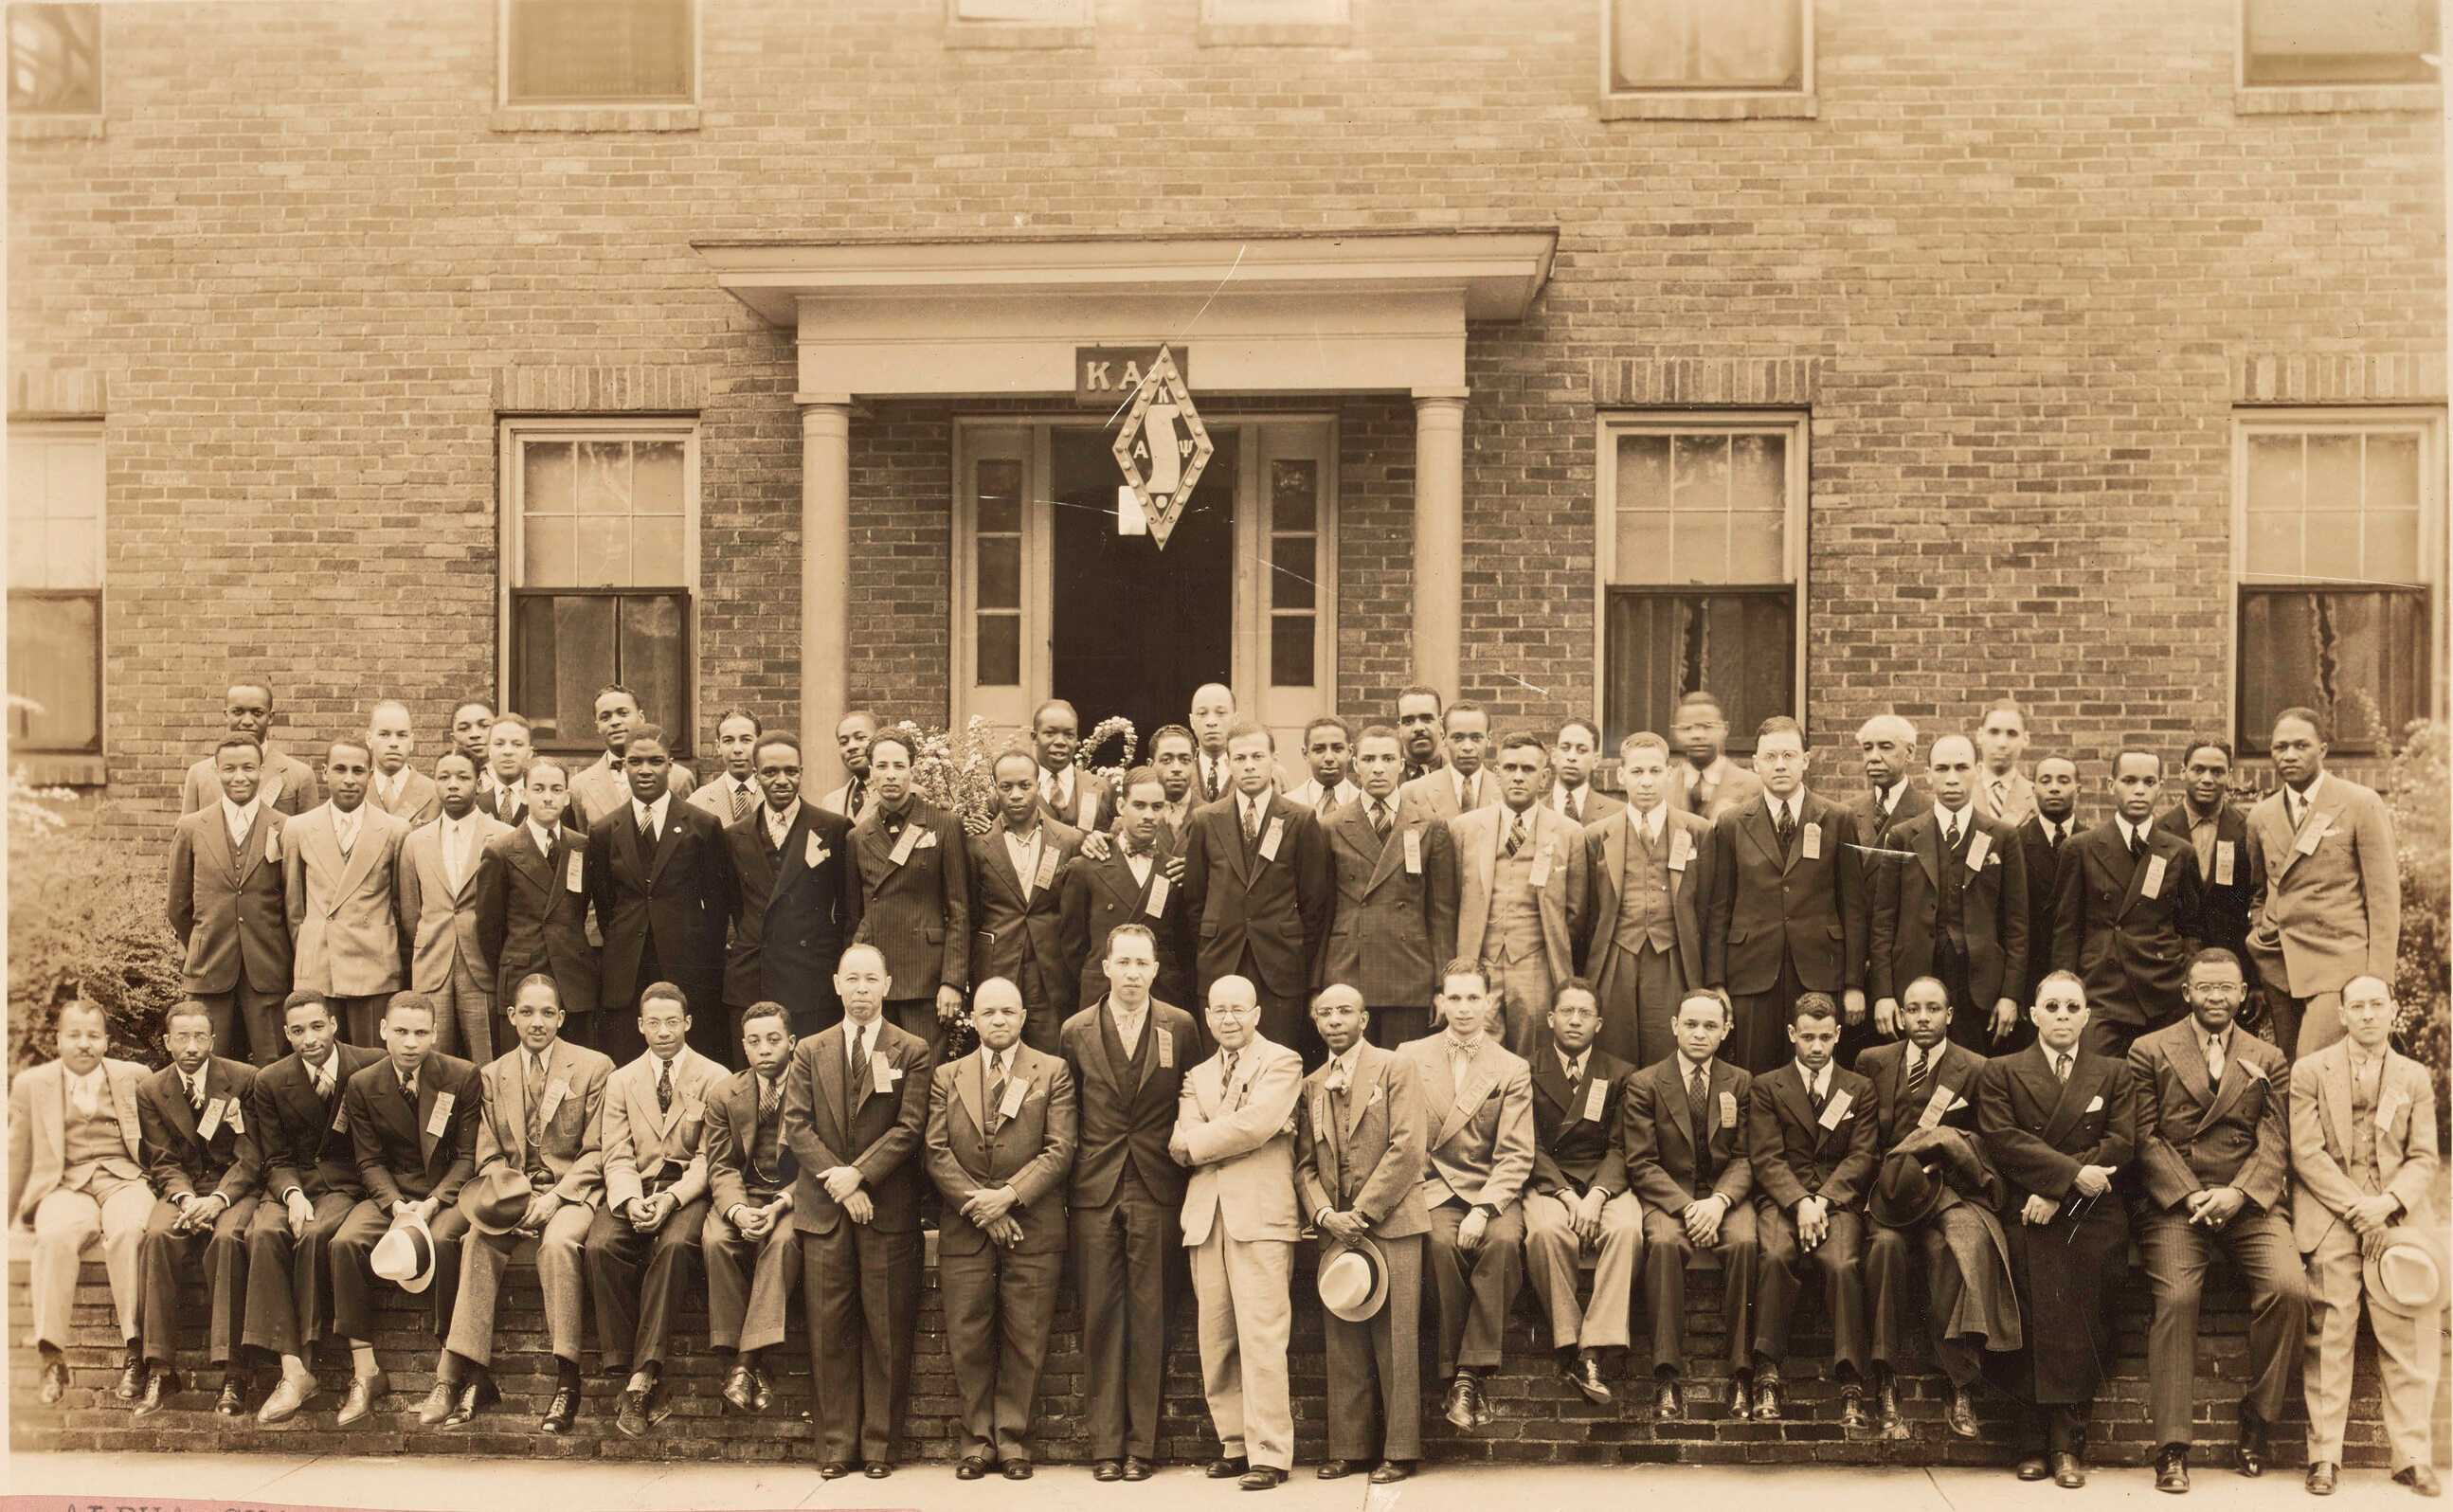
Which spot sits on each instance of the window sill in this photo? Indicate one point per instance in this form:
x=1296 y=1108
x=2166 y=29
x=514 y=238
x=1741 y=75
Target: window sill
x=55 y=128
x=1008 y=38
x=2331 y=99
x=1769 y=105
x=595 y=118
x=1279 y=34
x=60 y=771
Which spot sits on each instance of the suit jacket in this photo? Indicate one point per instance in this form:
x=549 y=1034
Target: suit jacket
x=401 y=1154
x=2334 y=903
x=917 y=911
x=714 y=796
x=1389 y=931
x=2044 y=865
x=1370 y=1162
x=2226 y=907
x=832 y=1119
x=732 y=1134
x=1032 y=1151
x=1690 y=890
x=1127 y=1115
x=1767 y=905
x=1795 y=1155
x=1433 y=795
x=1874 y=828
x=2132 y=951
x=570 y=1147
x=1017 y=938
x=1993 y=916
x=38 y=1128
x=839 y=802
x=1573 y=1153
x=530 y=919
x=790 y=920
x=179 y=1161
x=439 y=923
x=514 y=813
x=1241 y=1135
x=647 y=1146
x=2038 y=1129
x=419 y=799
x=1478 y=1138
x=2321 y=1187
x=304 y=1141
x=1279 y=907
x=1657 y=1132
x=1306 y=794
x=2020 y=797
x=1887 y=1068
x=1597 y=805
x=600 y=787
x=2193 y=1135
x=1561 y=900
x=229 y=907
x=1093 y=897
x=286 y=783
x=1733 y=788
x=677 y=897
x=344 y=920
x=1094 y=808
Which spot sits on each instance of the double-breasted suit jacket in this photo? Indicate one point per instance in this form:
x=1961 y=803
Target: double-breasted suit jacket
x=2130 y=950
x=794 y=908
x=227 y=904
x=1393 y=926
x=344 y=915
x=916 y=906
x=533 y=914
x=1096 y=896
x=1368 y=1163
x=1017 y=922
x=300 y=1135
x=1277 y=907
x=1030 y=1149
x=1241 y=1137
x=1909 y=926
x=401 y=1155
x=673 y=900
x=2332 y=908
x=2193 y=1134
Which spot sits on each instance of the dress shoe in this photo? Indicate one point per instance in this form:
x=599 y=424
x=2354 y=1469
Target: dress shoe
x=1107 y=1470
x=1768 y=1403
x=1225 y=1468
x=1886 y=1407
x=233 y=1401
x=877 y=1469
x=438 y=1403
x=1337 y=1469
x=472 y=1398
x=2420 y=1479
x=762 y=1387
x=2172 y=1469
x=1262 y=1477
x=2255 y=1445
x=561 y=1413
x=1482 y=1413
x=290 y=1396
x=1961 y=1416
x=1852 y=1406
x=642 y=1410
x=833 y=1470
x=56 y=1381
x=2068 y=1473
x=1016 y=1469
x=1136 y=1468
x=131 y=1379
x=970 y=1467
x=1584 y=1374
x=1669 y=1402
x=365 y=1392
x=740 y=1392
x=2321 y=1477
x=159 y=1384
x=2032 y=1468
x=1392 y=1471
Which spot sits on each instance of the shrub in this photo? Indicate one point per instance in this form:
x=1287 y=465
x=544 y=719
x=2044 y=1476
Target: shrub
x=2415 y=791
x=956 y=769
x=85 y=917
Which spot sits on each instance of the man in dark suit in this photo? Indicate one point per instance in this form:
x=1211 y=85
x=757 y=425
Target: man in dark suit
x=1958 y=911
x=795 y=897
x=915 y=895
x=1650 y=884
x=1393 y=924
x=1709 y=783
x=1128 y=1054
x=752 y=1250
x=201 y=1155
x=1419 y=723
x=2043 y=840
x=663 y=891
x=1000 y=1143
x=2126 y=922
x=532 y=903
x=1577 y=1198
x=1126 y=884
x=229 y=906
x=1259 y=888
x=1887 y=742
x=1175 y=756
x=855 y=1111
x=1211 y=715
x=2214 y=1154
x=1328 y=752
x=397 y=788
x=1073 y=795
x=2231 y=870
x=1573 y=752
x=1017 y=912
x=1788 y=902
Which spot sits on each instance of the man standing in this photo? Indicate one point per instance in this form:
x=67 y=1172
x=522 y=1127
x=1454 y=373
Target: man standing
x=1211 y=716
x=733 y=791
x=663 y=889
x=1017 y=912
x=1000 y=1142
x=1329 y=751
x=2126 y=921
x=915 y=895
x=533 y=904
x=2231 y=869
x=1418 y=722
x=1073 y=796
x=1957 y=912
x=472 y=729
x=1128 y=1054
x=1888 y=744
x=201 y=1155
x=852 y=734
x=1576 y=748
x=228 y=908
x=1521 y=869
x=2332 y=906
x=751 y=1245
x=1175 y=758
x=1710 y=785
x=1394 y=922
x=1576 y=1200
x=603 y=785
x=286 y=783
x=795 y=897
x=1257 y=886
x=1651 y=884
x=398 y=788
x=1129 y=884
x=435 y=879
x=2003 y=791
x=2213 y=1150
x=1233 y=1125
x=503 y=768
x=2043 y=840
x=337 y=885
x=1461 y=785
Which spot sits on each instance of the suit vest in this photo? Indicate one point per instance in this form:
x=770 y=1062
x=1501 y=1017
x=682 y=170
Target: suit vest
x=1644 y=912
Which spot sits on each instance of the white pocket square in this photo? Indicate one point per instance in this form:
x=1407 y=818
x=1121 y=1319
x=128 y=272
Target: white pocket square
x=2095 y=1106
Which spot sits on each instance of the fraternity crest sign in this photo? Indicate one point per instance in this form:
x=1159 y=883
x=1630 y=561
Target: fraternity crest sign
x=1163 y=445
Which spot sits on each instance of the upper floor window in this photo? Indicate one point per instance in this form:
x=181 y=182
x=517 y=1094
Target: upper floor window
x=55 y=587
x=55 y=60
x=1719 y=45
x=2329 y=41
x=566 y=53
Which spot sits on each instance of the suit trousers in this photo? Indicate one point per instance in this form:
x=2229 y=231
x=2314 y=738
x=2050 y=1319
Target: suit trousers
x=1665 y=1284
x=862 y=1287
x=463 y=1013
x=1391 y=1028
x=65 y=1222
x=1477 y=1288
x=1375 y=1367
x=1841 y=1258
x=289 y=1279
x=247 y=1022
x=354 y=1277
x=1244 y=1317
x=1551 y=1256
x=998 y=1304
x=750 y=1283
x=1524 y=987
x=2109 y=1039
x=1641 y=1003
x=1759 y=1040
x=2304 y=1026
x=1891 y=1297
x=636 y=1281
x=1125 y=1257
x=483 y=1259
x=2407 y=1350
x=2177 y=1253
x=1286 y=1019
x=161 y=1255
x=361 y=1019
x=919 y=1016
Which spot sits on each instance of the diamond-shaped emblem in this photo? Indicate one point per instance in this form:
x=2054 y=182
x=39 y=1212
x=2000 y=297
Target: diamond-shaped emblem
x=1163 y=445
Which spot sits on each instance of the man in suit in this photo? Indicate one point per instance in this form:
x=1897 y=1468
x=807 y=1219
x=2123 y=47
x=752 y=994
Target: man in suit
x=606 y=784
x=1710 y=785
x=1211 y=715
x=2002 y=790
x=2126 y=922
x=2213 y=1150
x=999 y=1143
x=2059 y=1119
x=1521 y=890
x=1418 y=724
x=2363 y=1162
x=411 y=1119
x=2043 y=840
x=201 y=1155
x=285 y=782
x=795 y=897
x=915 y=887
x=1650 y=884
x=1887 y=745
x=1458 y=785
x=540 y=1175
x=2231 y=869
x=1257 y=886
x=531 y=902
x=1129 y=884
x=1788 y=902
x=435 y=879
x=1175 y=757
x=1573 y=752
x=661 y=888
x=337 y=878
x=311 y=1186
x=855 y=1113
x=472 y=729
x=1684 y=1144
x=1810 y=1139
x=398 y=787
x=1393 y=924
x=852 y=734
x=1358 y=1168
x=641 y=1242
x=1017 y=908
x=503 y=767
x=227 y=907
x=751 y=1245
x=1128 y=1053
x=2332 y=905
x=75 y=1176
x=1329 y=751
x=1073 y=796
x=1577 y=1198
x=1477 y=1154
x=1957 y=912
x=1234 y=1123
x=733 y=791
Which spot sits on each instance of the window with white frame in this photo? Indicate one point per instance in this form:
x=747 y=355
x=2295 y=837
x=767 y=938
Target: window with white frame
x=2334 y=43
x=600 y=558
x=579 y=52
x=2341 y=545
x=54 y=59
x=1703 y=521
x=1707 y=44
x=55 y=588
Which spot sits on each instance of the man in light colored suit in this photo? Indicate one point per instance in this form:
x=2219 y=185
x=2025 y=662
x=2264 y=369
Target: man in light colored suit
x=227 y=907
x=732 y=792
x=435 y=880
x=1650 y=883
x=74 y=1174
x=1521 y=890
x=1573 y=752
x=1461 y=785
x=2364 y=1167
x=602 y=787
x=2004 y=791
x=398 y=787
x=852 y=734
x=2332 y=908
x=287 y=784
x=1073 y=795
x=337 y=876
x=1711 y=783
x=1234 y=1127
x=1477 y=1153
x=1393 y=924
x=1329 y=751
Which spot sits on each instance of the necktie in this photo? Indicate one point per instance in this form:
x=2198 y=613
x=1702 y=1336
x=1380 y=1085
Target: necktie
x=1882 y=818
x=1575 y=1071
x=859 y=1052
x=195 y=1093
x=504 y=804
x=1912 y=1096
x=1227 y=1072
x=1251 y=822
x=2137 y=844
x=1814 y=1096
x=664 y=1087
x=996 y=1091
x=1515 y=836
x=1567 y=806
x=1381 y=819
x=1782 y=826
x=648 y=823
x=1699 y=1116
x=2001 y=795
x=765 y=1096
x=851 y=798
x=2214 y=1062
x=1950 y=832
x=2365 y=1091
x=2053 y=837
x=1210 y=785
x=323 y=1078
x=535 y=1090
x=409 y=1089
x=740 y=801
x=2294 y=807
x=345 y=832
x=2062 y=1066
x=1327 y=802
x=1460 y=1060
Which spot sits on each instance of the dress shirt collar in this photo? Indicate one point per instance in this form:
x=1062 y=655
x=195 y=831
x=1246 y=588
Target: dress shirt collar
x=1817 y=1082
x=239 y=820
x=1648 y=823
x=389 y=788
x=1467 y=1048
x=1574 y=1065
x=1251 y=809
x=2133 y=834
x=778 y=825
x=84 y=1091
x=543 y=835
x=1960 y=816
x=1687 y=1070
x=1888 y=798
x=2305 y=796
x=651 y=815
x=2053 y=828
x=1469 y=787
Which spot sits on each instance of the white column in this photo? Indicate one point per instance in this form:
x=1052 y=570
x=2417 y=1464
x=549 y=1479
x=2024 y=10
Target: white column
x=826 y=558
x=1439 y=537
